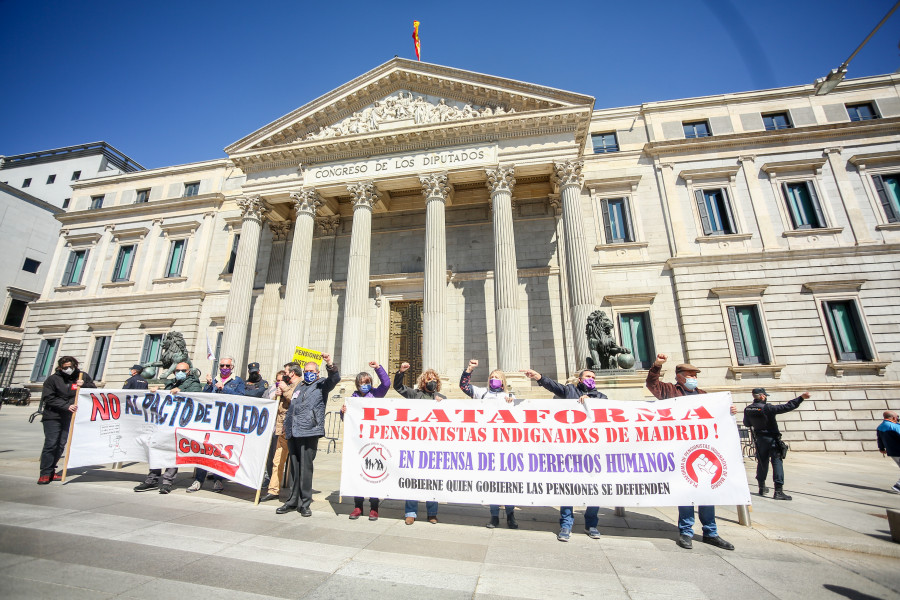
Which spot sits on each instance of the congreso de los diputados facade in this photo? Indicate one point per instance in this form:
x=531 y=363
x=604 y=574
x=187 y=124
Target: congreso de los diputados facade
x=428 y=214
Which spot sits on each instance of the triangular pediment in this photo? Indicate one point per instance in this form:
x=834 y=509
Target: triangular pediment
x=405 y=102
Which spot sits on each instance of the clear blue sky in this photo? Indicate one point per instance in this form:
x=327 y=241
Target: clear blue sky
x=174 y=82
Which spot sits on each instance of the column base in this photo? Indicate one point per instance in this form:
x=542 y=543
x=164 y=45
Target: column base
x=521 y=386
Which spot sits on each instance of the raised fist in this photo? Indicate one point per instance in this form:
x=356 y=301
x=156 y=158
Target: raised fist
x=373 y=364
x=209 y=379
x=532 y=374
x=660 y=359
x=805 y=395
x=472 y=365
x=705 y=470
x=404 y=367
x=326 y=358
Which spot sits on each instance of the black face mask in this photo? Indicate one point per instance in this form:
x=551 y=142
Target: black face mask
x=431 y=386
x=253 y=377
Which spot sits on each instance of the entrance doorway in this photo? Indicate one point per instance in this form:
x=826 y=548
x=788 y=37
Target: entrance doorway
x=406 y=338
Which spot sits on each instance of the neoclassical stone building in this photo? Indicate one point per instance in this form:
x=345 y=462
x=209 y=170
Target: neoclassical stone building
x=429 y=214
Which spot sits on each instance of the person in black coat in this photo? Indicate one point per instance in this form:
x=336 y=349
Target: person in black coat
x=58 y=401
x=136 y=382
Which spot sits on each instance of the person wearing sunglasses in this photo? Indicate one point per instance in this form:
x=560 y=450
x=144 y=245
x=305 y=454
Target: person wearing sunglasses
x=582 y=390
x=227 y=382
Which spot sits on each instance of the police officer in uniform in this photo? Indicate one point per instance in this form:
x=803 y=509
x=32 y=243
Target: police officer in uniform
x=761 y=417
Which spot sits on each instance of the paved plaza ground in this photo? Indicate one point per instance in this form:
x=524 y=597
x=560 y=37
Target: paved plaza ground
x=95 y=538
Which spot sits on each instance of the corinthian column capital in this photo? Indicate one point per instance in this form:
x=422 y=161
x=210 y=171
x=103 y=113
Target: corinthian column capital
x=568 y=174
x=501 y=179
x=328 y=225
x=252 y=208
x=365 y=194
x=279 y=230
x=435 y=185
x=306 y=201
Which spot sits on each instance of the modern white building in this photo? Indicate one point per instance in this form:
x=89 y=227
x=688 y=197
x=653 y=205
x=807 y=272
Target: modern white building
x=33 y=189
x=434 y=215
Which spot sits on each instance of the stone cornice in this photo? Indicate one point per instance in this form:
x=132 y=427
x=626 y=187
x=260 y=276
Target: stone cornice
x=604 y=184
x=144 y=209
x=739 y=291
x=219 y=163
x=873 y=159
x=847 y=285
x=743 y=141
x=697 y=260
x=813 y=165
x=728 y=173
x=630 y=299
x=138 y=299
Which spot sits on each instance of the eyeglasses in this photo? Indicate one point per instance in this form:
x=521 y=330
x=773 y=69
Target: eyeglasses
x=224 y=365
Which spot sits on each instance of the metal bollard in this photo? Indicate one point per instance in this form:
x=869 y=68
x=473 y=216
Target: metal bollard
x=743 y=515
x=620 y=511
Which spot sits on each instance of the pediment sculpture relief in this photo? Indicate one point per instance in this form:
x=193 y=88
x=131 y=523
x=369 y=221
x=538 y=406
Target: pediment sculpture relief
x=403 y=106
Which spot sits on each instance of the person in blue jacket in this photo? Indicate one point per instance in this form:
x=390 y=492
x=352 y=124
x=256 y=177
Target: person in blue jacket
x=581 y=391
x=888 y=433
x=364 y=389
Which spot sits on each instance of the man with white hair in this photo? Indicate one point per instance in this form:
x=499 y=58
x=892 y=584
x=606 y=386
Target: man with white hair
x=888 y=433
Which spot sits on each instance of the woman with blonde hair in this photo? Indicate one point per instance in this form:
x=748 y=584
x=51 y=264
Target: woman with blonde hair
x=428 y=387
x=496 y=390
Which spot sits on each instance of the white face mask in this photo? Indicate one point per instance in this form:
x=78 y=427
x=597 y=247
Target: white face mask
x=690 y=383
x=68 y=371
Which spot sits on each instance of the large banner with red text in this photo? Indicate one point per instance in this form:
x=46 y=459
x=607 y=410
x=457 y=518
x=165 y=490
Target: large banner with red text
x=545 y=452
x=227 y=435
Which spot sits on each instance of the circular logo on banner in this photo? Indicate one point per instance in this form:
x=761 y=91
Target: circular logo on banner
x=703 y=466
x=373 y=462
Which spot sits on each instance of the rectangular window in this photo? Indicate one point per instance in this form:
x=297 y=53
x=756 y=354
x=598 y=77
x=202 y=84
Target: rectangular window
x=888 y=189
x=191 y=189
x=31 y=265
x=51 y=179
x=96 y=202
x=715 y=212
x=176 y=258
x=26 y=183
x=122 y=270
x=848 y=336
x=803 y=204
x=233 y=257
x=15 y=315
x=636 y=336
x=862 y=112
x=604 y=142
x=76 y=175
x=43 y=364
x=142 y=196
x=75 y=267
x=98 y=358
x=779 y=120
x=696 y=129
x=152 y=346
x=747 y=335
x=66 y=202
x=617 y=220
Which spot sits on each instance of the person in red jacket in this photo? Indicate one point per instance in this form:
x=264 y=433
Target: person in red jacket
x=686 y=385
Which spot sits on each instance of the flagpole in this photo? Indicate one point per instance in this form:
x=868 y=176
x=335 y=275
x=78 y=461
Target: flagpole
x=71 y=430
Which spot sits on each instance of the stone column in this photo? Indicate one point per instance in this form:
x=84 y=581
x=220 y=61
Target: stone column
x=322 y=326
x=99 y=260
x=237 y=313
x=267 y=340
x=436 y=191
x=61 y=254
x=148 y=265
x=506 y=278
x=357 y=295
x=306 y=202
x=760 y=208
x=569 y=179
x=845 y=190
x=202 y=253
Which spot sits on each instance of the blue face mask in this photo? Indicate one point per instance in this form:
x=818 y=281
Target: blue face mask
x=364 y=388
x=180 y=375
x=310 y=376
x=690 y=383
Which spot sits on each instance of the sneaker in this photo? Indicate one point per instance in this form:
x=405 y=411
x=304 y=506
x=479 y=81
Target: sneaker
x=373 y=515
x=357 y=512
x=896 y=487
x=779 y=495
x=57 y=476
x=564 y=534
x=165 y=488
x=145 y=487
x=43 y=480
x=511 y=521
x=685 y=541
x=218 y=486
x=494 y=522
x=194 y=487
x=718 y=542
x=592 y=532
x=409 y=520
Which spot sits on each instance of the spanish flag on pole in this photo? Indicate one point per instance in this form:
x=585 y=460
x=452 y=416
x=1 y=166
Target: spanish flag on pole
x=416 y=41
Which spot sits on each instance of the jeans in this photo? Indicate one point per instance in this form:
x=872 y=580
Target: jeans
x=707 y=519
x=303 y=453
x=567 y=519
x=56 y=434
x=495 y=509
x=767 y=450
x=201 y=475
x=412 y=507
x=168 y=476
x=896 y=459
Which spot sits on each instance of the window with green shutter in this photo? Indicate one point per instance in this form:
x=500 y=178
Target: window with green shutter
x=848 y=336
x=176 y=258
x=124 y=261
x=43 y=364
x=803 y=205
x=617 y=220
x=637 y=337
x=747 y=334
x=98 y=357
x=888 y=189
x=75 y=267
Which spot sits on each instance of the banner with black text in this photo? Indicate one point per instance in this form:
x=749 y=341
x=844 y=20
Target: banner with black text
x=545 y=452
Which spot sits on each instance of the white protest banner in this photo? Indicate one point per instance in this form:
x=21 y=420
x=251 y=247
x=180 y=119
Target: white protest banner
x=545 y=452
x=224 y=434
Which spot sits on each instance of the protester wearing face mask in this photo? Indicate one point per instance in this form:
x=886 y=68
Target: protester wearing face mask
x=58 y=406
x=255 y=386
x=428 y=387
x=583 y=390
x=686 y=384
x=364 y=390
x=304 y=424
x=496 y=390
x=227 y=382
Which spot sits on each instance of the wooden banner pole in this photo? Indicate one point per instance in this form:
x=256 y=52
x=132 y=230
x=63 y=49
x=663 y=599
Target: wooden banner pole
x=71 y=429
